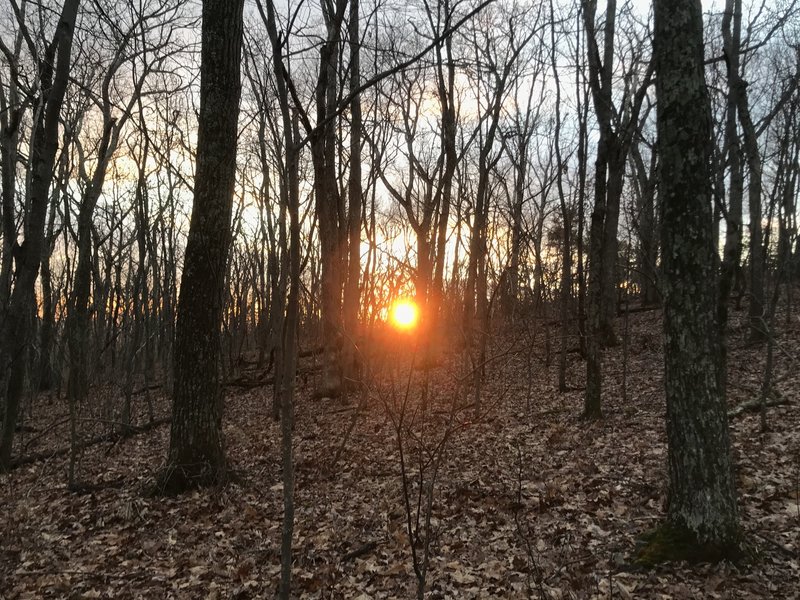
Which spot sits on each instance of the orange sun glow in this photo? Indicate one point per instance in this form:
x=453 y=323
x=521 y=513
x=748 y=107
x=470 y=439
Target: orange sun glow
x=404 y=314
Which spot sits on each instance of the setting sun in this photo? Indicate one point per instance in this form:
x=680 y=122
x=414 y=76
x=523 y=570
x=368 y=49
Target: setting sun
x=404 y=314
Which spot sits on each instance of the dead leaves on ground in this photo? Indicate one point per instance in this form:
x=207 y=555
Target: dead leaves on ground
x=528 y=500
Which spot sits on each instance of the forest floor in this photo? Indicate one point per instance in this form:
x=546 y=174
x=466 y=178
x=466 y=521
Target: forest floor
x=526 y=499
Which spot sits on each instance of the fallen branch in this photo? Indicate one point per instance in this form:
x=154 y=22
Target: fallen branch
x=247 y=383
x=360 y=551
x=777 y=545
x=755 y=406
x=147 y=388
x=108 y=437
x=254 y=382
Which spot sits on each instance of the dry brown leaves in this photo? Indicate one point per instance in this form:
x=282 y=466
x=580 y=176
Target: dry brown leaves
x=528 y=501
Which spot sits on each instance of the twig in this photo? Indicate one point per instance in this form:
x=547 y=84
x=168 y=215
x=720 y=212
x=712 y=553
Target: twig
x=777 y=545
x=360 y=551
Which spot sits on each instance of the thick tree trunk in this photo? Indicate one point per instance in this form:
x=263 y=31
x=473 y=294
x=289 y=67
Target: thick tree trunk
x=702 y=498
x=196 y=453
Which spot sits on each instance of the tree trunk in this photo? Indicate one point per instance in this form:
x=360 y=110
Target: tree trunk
x=78 y=325
x=328 y=200
x=600 y=84
x=583 y=142
x=594 y=352
x=196 y=454
x=352 y=372
x=10 y=117
x=566 y=247
x=445 y=71
x=291 y=192
x=702 y=498
x=46 y=373
x=607 y=180
x=732 y=251
x=647 y=250
x=16 y=333
x=754 y=187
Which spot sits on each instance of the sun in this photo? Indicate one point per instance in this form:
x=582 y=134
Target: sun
x=404 y=314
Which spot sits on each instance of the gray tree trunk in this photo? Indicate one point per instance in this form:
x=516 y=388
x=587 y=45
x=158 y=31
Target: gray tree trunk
x=702 y=498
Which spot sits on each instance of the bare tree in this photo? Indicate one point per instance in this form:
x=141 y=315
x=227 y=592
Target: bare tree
x=616 y=131
x=702 y=497
x=132 y=52
x=290 y=194
x=16 y=331
x=352 y=283
x=196 y=452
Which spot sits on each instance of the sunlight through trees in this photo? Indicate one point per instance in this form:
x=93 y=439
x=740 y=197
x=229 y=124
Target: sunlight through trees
x=447 y=246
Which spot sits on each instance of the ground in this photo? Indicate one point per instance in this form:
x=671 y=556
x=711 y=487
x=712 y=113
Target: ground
x=528 y=500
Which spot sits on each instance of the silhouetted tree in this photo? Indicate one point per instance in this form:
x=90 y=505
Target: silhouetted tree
x=16 y=331
x=196 y=453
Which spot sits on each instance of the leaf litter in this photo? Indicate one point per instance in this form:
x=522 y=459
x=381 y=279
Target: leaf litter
x=528 y=500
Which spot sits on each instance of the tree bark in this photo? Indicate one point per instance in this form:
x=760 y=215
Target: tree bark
x=566 y=247
x=647 y=250
x=16 y=332
x=11 y=111
x=754 y=188
x=328 y=199
x=702 y=498
x=732 y=251
x=352 y=295
x=196 y=453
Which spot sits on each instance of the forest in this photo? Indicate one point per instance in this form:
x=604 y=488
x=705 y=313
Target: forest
x=420 y=299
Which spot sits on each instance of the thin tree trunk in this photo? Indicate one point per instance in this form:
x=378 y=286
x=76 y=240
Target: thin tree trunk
x=566 y=248
x=352 y=371
x=292 y=193
x=754 y=189
x=731 y=254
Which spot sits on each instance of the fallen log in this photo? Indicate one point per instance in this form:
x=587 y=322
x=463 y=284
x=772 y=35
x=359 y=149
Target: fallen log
x=99 y=439
x=755 y=406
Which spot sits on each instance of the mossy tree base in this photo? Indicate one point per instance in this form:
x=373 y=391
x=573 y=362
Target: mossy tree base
x=672 y=543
